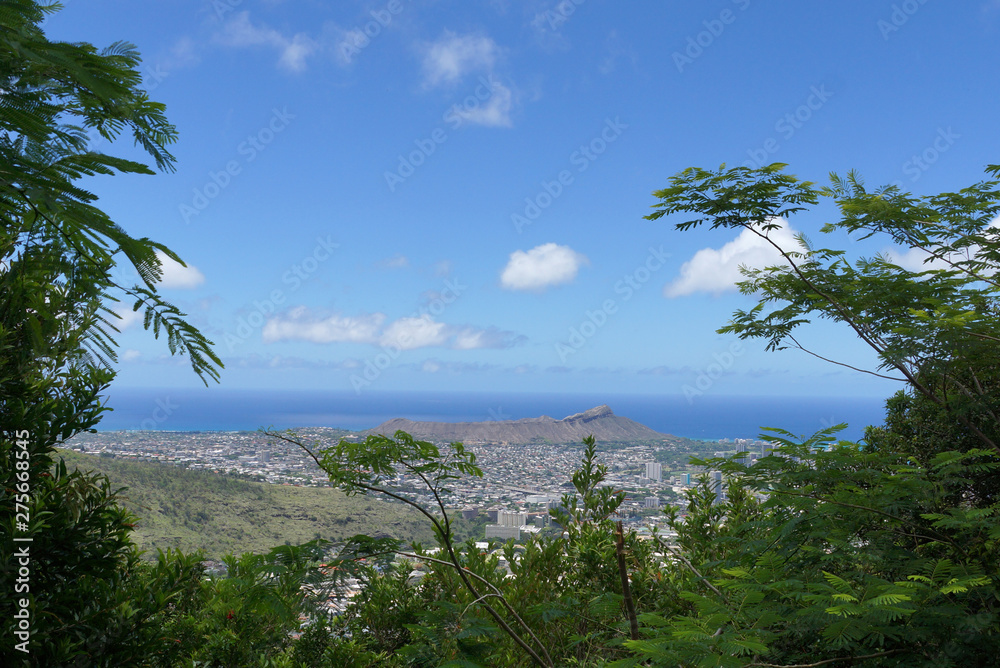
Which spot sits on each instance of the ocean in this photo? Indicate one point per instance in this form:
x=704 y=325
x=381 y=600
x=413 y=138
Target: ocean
x=707 y=417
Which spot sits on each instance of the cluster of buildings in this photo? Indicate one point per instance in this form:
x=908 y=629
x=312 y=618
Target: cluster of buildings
x=244 y=453
x=520 y=483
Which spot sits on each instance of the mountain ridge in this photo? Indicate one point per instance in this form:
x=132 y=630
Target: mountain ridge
x=600 y=421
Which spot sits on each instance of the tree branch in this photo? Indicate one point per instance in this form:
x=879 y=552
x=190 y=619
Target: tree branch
x=826 y=359
x=824 y=662
x=910 y=376
x=454 y=562
x=633 y=623
x=493 y=613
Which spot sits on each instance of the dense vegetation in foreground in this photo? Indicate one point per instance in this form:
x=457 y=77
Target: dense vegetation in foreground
x=879 y=553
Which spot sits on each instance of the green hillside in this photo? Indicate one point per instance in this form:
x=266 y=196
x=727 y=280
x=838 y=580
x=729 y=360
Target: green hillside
x=193 y=510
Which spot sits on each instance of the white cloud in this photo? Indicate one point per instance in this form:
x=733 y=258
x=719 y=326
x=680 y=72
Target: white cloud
x=408 y=333
x=131 y=355
x=437 y=366
x=411 y=333
x=913 y=259
x=547 y=26
x=293 y=51
x=541 y=267
x=127 y=316
x=453 y=56
x=470 y=338
x=255 y=361
x=397 y=261
x=293 y=55
x=299 y=325
x=450 y=58
x=184 y=53
x=495 y=112
x=176 y=275
x=718 y=270
x=239 y=31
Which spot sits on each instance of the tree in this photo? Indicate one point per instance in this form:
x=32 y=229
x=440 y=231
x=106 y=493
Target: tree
x=54 y=93
x=883 y=552
x=369 y=467
x=935 y=328
x=247 y=616
x=569 y=600
x=57 y=291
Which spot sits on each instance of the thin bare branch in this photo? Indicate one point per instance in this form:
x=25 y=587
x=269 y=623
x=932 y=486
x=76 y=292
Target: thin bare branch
x=854 y=368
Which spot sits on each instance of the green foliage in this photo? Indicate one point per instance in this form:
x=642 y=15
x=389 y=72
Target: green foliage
x=94 y=601
x=319 y=647
x=249 y=613
x=367 y=467
x=362 y=467
x=840 y=558
x=91 y=601
x=386 y=610
x=598 y=502
x=563 y=601
x=370 y=466
x=54 y=92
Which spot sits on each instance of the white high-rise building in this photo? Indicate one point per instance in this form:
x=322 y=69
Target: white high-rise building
x=716 y=478
x=743 y=450
x=506 y=518
x=502 y=532
x=654 y=471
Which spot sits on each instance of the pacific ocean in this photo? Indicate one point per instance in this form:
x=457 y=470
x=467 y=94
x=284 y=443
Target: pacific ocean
x=706 y=417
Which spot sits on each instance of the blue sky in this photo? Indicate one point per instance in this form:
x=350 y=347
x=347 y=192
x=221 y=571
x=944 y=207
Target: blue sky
x=431 y=195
